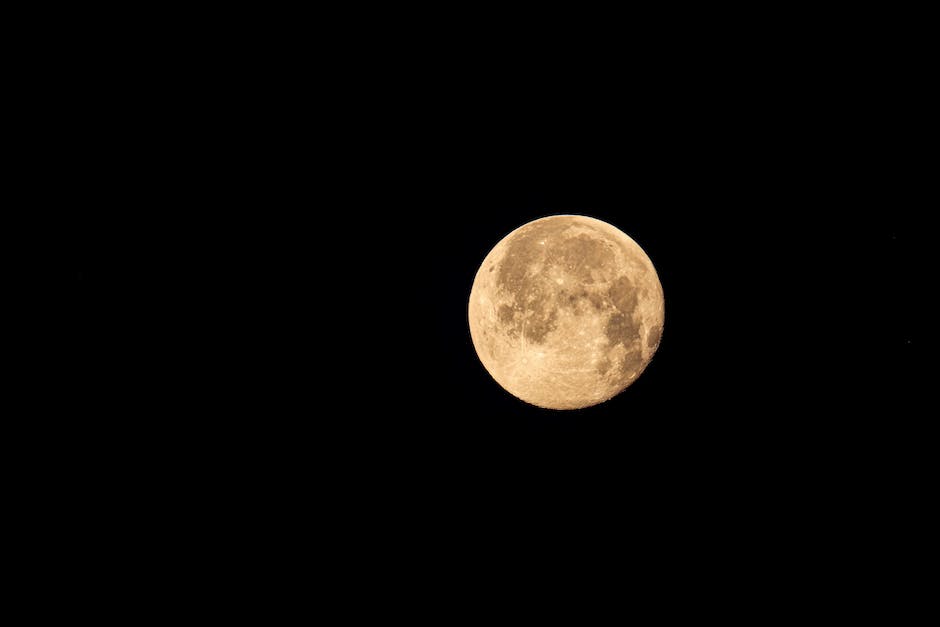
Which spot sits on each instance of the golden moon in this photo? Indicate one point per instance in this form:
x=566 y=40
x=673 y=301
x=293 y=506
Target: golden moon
x=566 y=312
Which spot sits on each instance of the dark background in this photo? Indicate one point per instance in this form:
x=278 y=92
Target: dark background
x=309 y=263
x=260 y=295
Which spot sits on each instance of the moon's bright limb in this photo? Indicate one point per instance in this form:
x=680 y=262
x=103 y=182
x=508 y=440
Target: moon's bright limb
x=566 y=312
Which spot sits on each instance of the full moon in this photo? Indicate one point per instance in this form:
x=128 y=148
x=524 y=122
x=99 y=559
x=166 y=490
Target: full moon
x=566 y=312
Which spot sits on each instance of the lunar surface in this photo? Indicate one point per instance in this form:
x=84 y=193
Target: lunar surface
x=566 y=312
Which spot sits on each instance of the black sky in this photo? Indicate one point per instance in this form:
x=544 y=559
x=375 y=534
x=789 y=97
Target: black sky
x=264 y=290
x=784 y=237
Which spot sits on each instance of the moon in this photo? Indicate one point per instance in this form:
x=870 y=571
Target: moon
x=566 y=312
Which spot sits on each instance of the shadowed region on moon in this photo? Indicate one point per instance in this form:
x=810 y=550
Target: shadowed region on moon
x=567 y=313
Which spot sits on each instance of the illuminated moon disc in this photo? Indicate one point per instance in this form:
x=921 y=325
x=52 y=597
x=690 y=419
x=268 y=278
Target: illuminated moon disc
x=566 y=312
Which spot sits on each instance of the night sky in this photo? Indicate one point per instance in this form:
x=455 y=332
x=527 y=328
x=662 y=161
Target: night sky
x=790 y=277
x=264 y=318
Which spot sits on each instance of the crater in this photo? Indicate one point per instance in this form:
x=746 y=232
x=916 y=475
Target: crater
x=603 y=366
